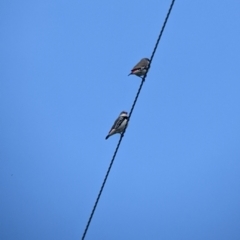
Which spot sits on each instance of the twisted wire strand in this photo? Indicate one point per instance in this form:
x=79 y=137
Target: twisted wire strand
x=130 y=114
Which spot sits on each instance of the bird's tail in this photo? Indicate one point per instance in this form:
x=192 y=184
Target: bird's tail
x=129 y=74
x=111 y=132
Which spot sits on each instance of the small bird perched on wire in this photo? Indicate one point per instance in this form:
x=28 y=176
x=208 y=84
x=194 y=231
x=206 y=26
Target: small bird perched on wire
x=141 y=68
x=119 y=124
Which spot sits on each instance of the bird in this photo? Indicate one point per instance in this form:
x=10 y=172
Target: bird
x=140 y=68
x=119 y=124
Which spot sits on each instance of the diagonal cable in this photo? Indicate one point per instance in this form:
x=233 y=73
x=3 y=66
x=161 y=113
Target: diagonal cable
x=130 y=114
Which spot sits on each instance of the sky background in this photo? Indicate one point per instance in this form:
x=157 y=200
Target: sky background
x=63 y=82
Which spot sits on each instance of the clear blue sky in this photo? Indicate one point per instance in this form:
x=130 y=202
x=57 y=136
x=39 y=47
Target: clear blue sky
x=63 y=81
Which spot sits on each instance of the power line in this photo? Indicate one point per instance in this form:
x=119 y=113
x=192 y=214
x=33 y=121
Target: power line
x=131 y=111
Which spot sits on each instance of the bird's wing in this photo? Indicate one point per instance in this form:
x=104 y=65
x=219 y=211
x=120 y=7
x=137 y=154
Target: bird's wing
x=118 y=122
x=139 y=65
